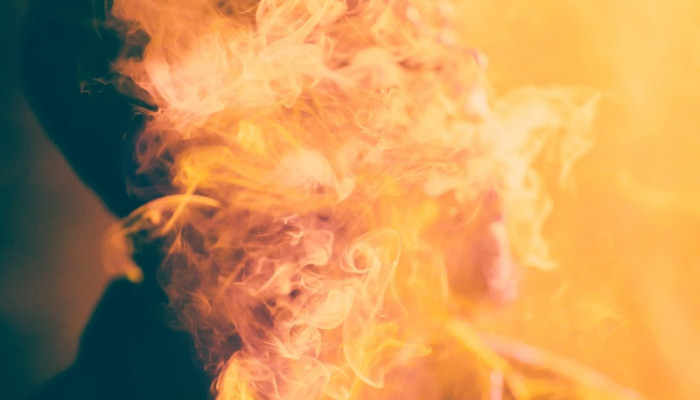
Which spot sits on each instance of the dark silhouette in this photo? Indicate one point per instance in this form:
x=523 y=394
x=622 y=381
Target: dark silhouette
x=129 y=349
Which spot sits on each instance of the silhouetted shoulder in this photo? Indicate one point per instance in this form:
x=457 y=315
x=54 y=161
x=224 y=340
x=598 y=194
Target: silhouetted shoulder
x=130 y=351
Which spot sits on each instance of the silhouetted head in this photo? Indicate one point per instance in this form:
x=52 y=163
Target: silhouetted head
x=67 y=53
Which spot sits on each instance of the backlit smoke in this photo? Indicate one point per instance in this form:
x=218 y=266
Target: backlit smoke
x=336 y=191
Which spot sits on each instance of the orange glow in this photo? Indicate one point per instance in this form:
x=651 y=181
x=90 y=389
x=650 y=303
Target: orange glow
x=343 y=193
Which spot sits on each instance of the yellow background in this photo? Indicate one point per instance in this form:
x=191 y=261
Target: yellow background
x=626 y=297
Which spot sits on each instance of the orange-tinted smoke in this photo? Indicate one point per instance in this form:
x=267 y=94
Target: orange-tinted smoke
x=338 y=192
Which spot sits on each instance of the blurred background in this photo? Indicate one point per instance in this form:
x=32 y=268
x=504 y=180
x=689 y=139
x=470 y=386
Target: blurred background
x=626 y=233
x=625 y=299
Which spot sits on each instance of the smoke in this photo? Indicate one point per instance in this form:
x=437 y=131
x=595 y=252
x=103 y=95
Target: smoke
x=331 y=183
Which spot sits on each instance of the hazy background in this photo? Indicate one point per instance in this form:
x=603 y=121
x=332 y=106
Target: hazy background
x=626 y=298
